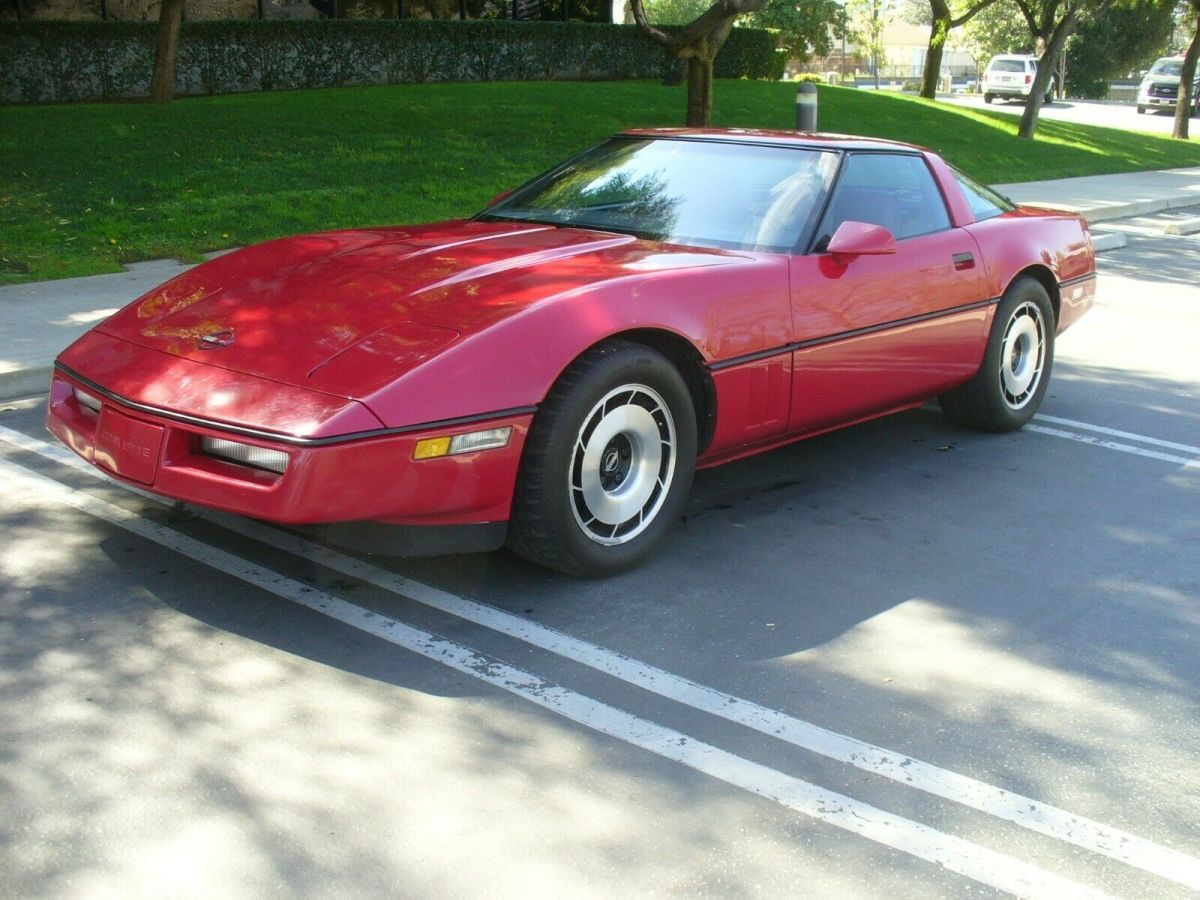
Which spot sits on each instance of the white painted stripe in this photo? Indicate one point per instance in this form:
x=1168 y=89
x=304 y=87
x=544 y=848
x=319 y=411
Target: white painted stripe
x=1113 y=432
x=1114 y=445
x=955 y=854
x=1026 y=812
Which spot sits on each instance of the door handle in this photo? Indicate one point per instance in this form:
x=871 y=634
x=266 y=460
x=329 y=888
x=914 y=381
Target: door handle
x=963 y=261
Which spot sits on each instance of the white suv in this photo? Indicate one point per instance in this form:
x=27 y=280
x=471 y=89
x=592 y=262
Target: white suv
x=1010 y=77
x=1160 y=86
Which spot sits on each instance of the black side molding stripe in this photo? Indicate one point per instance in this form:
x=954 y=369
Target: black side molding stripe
x=1091 y=276
x=847 y=335
x=291 y=440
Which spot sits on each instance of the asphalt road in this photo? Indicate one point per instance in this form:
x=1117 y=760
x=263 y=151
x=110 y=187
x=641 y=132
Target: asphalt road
x=1109 y=115
x=904 y=660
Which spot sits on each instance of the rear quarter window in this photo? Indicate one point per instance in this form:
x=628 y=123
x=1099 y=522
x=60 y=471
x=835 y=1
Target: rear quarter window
x=985 y=203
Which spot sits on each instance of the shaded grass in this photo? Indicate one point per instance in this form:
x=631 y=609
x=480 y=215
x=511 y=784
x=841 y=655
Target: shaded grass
x=87 y=187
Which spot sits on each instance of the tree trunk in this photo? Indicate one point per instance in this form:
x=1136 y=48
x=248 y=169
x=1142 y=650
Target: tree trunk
x=700 y=90
x=1185 y=102
x=162 y=83
x=698 y=43
x=933 y=57
x=1047 y=63
x=939 y=30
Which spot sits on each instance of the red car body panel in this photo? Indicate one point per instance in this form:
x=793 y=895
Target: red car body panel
x=344 y=349
x=344 y=481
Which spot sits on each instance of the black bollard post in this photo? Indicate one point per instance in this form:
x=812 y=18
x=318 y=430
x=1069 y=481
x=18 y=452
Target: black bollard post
x=806 y=106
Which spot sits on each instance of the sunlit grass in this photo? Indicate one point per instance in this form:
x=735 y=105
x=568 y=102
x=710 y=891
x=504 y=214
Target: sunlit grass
x=86 y=187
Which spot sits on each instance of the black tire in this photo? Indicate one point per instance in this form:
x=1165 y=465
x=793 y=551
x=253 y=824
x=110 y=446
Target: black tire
x=1141 y=110
x=1008 y=388
x=591 y=457
x=988 y=98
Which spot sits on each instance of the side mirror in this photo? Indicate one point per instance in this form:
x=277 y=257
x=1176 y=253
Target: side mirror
x=500 y=196
x=855 y=239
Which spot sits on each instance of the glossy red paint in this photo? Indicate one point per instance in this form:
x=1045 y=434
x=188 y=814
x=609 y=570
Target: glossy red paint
x=344 y=349
x=855 y=239
x=1057 y=244
x=371 y=478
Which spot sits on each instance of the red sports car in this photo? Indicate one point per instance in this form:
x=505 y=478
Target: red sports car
x=552 y=371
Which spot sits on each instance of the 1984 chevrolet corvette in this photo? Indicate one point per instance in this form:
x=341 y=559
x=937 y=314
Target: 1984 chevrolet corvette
x=552 y=371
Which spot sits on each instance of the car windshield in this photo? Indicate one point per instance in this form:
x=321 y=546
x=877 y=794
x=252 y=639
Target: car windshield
x=1171 y=67
x=692 y=192
x=1008 y=65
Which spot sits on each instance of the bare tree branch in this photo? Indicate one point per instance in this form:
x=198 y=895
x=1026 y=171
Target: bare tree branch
x=639 y=16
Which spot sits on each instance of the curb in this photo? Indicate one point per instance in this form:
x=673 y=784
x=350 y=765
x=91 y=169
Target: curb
x=1117 y=210
x=1185 y=226
x=1140 y=208
x=1109 y=240
x=25 y=382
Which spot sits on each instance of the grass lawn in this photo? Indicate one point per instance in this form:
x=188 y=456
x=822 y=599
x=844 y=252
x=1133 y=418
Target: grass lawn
x=87 y=187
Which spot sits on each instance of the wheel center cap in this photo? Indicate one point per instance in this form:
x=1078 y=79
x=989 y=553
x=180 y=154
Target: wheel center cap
x=615 y=462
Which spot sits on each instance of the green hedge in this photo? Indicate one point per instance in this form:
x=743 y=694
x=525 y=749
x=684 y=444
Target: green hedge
x=70 y=61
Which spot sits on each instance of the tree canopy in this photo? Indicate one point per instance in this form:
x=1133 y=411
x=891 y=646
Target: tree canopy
x=803 y=25
x=1115 y=42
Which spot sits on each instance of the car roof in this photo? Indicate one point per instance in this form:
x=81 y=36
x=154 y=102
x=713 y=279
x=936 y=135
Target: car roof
x=821 y=140
x=1021 y=56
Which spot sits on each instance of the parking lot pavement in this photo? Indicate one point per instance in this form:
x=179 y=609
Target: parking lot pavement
x=904 y=659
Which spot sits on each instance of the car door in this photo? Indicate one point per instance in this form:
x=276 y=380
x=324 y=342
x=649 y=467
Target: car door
x=875 y=333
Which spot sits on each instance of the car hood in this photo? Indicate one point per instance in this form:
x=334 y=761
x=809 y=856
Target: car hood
x=286 y=309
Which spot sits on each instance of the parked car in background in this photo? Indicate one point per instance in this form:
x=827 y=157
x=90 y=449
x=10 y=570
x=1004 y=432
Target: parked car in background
x=1160 y=86
x=1010 y=77
x=552 y=371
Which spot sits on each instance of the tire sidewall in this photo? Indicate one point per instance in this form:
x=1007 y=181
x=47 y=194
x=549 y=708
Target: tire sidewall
x=558 y=431
x=1025 y=290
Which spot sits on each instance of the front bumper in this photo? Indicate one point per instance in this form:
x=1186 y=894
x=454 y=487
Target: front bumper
x=328 y=481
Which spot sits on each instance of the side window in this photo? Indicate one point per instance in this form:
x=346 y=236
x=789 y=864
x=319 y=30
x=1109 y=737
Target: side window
x=893 y=191
x=984 y=202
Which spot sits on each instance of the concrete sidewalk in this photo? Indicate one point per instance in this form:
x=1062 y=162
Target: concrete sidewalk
x=1100 y=198
x=39 y=319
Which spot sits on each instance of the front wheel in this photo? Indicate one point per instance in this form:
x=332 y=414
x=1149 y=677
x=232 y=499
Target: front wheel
x=608 y=462
x=1141 y=110
x=1009 y=386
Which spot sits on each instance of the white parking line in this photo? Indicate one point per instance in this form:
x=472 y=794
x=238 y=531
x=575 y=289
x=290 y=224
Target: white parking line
x=1026 y=812
x=1113 y=432
x=955 y=854
x=1184 y=461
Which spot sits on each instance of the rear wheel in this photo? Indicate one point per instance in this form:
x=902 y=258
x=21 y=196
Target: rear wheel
x=1141 y=110
x=988 y=98
x=608 y=462
x=1009 y=386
